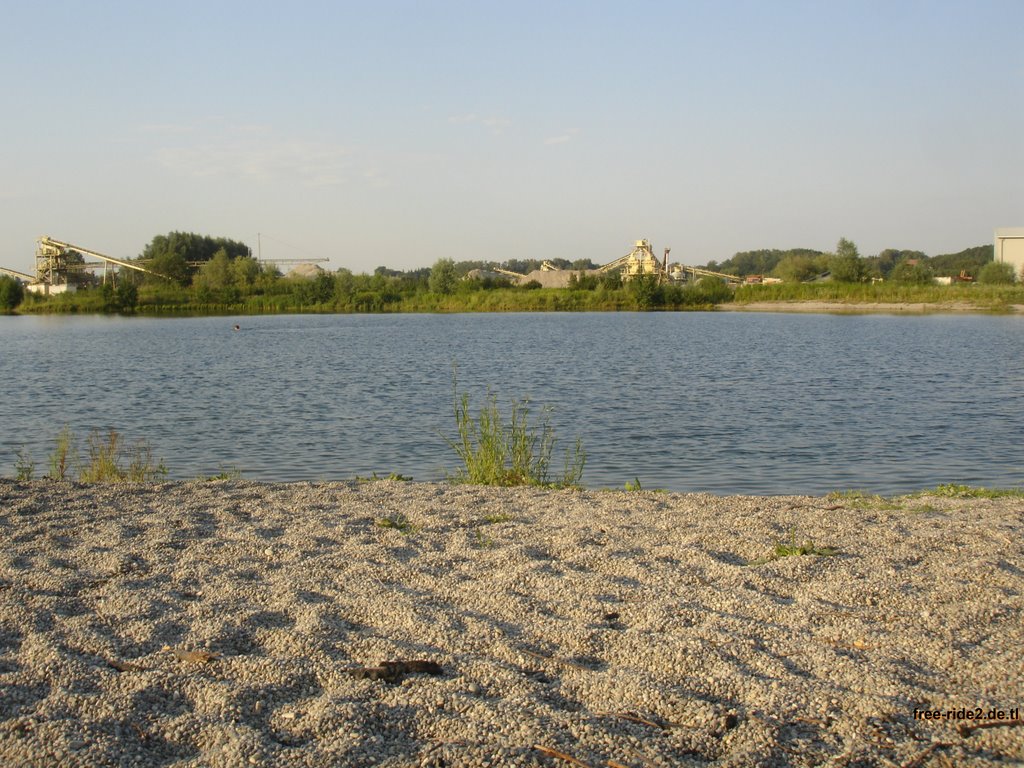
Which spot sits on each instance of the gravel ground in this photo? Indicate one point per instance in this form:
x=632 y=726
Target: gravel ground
x=233 y=623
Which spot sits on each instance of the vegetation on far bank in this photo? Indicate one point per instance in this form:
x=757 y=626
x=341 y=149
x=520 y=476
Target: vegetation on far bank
x=196 y=274
x=984 y=297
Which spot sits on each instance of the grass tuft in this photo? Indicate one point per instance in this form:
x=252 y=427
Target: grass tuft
x=862 y=500
x=24 y=466
x=226 y=473
x=391 y=476
x=499 y=517
x=952 y=490
x=792 y=549
x=496 y=450
x=63 y=455
x=111 y=462
x=396 y=522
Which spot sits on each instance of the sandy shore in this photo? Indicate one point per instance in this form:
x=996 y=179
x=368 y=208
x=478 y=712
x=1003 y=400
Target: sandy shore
x=233 y=623
x=886 y=308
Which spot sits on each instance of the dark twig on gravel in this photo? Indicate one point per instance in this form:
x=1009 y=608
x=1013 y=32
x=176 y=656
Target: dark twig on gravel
x=124 y=666
x=966 y=730
x=196 y=657
x=394 y=671
x=560 y=755
x=636 y=719
x=919 y=759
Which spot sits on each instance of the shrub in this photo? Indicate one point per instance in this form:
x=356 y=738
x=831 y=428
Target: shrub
x=917 y=273
x=25 y=466
x=11 y=293
x=997 y=273
x=107 y=457
x=109 y=461
x=63 y=454
x=499 y=452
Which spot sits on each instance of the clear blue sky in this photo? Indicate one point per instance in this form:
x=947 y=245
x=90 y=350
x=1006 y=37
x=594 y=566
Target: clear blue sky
x=397 y=133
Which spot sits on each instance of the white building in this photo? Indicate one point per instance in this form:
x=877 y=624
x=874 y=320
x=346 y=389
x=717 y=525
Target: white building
x=1009 y=248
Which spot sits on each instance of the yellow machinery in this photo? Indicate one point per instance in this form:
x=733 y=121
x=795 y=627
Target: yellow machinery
x=506 y=272
x=15 y=273
x=642 y=261
x=53 y=264
x=696 y=272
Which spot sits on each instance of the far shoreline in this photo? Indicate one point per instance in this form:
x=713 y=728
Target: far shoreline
x=882 y=308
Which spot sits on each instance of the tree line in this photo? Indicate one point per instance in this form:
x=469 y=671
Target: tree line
x=192 y=272
x=845 y=264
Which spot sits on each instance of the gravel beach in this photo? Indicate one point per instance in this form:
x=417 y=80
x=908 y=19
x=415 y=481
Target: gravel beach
x=234 y=623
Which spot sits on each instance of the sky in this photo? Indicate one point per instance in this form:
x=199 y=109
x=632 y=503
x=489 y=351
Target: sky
x=399 y=132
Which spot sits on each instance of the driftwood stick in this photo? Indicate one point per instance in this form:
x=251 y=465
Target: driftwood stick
x=560 y=755
x=966 y=730
x=635 y=719
x=919 y=759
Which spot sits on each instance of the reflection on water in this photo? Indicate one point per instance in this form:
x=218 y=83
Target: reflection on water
x=723 y=402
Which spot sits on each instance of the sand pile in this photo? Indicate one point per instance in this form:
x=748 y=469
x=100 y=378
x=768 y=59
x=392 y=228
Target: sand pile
x=236 y=623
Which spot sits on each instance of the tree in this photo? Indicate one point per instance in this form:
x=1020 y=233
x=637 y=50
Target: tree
x=443 y=278
x=215 y=280
x=169 y=255
x=245 y=271
x=798 y=268
x=913 y=271
x=969 y=260
x=647 y=292
x=846 y=265
x=12 y=292
x=124 y=298
x=884 y=263
x=997 y=273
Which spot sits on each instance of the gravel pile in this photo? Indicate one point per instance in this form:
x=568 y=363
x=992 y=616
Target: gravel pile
x=233 y=623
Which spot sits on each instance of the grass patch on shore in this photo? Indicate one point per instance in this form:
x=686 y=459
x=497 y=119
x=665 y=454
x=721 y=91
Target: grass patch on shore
x=985 y=297
x=862 y=500
x=792 y=549
x=108 y=460
x=507 y=451
x=111 y=461
x=954 y=491
x=375 y=478
x=498 y=517
x=396 y=522
x=226 y=473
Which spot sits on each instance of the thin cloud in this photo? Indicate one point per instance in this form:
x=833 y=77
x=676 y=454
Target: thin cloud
x=250 y=154
x=562 y=138
x=494 y=123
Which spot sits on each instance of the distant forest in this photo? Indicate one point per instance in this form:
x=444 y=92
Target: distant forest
x=179 y=254
x=785 y=264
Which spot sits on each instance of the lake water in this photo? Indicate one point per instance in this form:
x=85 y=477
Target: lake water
x=722 y=402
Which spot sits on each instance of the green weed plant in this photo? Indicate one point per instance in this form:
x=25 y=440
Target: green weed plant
x=396 y=522
x=792 y=549
x=111 y=462
x=952 y=490
x=496 y=450
x=108 y=460
x=24 y=466
x=862 y=500
x=63 y=455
